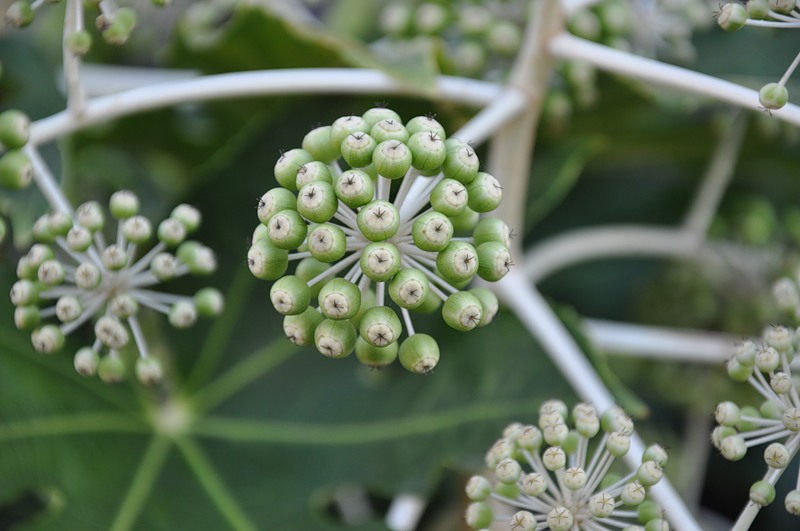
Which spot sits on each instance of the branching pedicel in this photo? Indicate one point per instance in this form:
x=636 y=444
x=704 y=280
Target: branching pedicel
x=348 y=221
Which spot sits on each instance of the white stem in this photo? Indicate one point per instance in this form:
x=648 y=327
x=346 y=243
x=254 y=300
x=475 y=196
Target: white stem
x=405 y=511
x=407 y=319
x=567 y=46
x=46 y=182
x=772 y=24
x=76 y=96
x=138 y=336
x=532 y=310
x=581 y=245
x=493 y=117
x=256 y=83
x=790 y=70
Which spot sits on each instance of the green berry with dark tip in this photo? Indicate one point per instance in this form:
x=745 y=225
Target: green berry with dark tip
x=419 y=353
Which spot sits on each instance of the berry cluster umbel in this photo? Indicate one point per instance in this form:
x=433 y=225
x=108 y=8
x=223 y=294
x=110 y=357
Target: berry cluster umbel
x=556 y=477
x=74 y=275
x=387 y=223
x=776 y=422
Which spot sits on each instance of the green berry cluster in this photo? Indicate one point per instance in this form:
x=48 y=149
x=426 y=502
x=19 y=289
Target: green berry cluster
x=771 y=13
x=74 y=275
x=776 y=422
x=16 y=169
x=389 y=221
x=557 y=476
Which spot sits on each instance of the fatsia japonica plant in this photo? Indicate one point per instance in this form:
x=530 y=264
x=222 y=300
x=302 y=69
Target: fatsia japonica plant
x=566 y=223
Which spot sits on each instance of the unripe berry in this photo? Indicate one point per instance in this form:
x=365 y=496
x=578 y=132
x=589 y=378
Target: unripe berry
x=188 y=216
x=466 y=221
x=78 y=42
x=504 y=37
x=762 y=493
x=344 y=126
x=317 y=143
x=462 y=311
x=392 y=159
x=287 y=229
x=380 y=326
x=354 y=188
x=149 y=371
x=409 y=288
x=266 y=261
x=380 y=261
x=287 y=166
x=449 y=197
x=317 y=201
x=182 y=314
x=16 y=170
x=20 y=14
x=14 y=129
x=86 y=361
x=378 y=220
x=419 y=353
x=783 y=7
x=377 y=114
x=432 y=231
x=299 y=329
x=758 y=9
x=335 y=338
x=290 y=295
x=327 y=242
x=90 y=216
x=485 y=193
x=274 y=201
x=47 y=339
x=312 y=172
x=389 y=129
x=458 y=262
x=773 y=95
x=376 y=357
x=494 y=261
x=123 y=204
x=461 y=162
x=339 y=299
x=117 y=30
x=479 y=515
x=428 y=151
x=111 y=369
x=209 y=302
x=357 y=149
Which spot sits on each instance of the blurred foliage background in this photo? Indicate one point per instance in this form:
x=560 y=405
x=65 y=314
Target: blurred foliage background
x=275 y=435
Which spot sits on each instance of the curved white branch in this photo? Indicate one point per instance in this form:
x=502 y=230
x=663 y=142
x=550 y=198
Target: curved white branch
x=256 y=83
x=567 y=46
x=613 y=240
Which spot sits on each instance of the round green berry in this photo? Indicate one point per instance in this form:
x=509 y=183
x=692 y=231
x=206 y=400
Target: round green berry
x=111 y=369
x=346 y=125
x=86 y=361
x=313 y=171
x=335 y=338
x=378 y=220
x=274 y=201
x=392 y=159
x=432 y=231
x=449 y=197
x=290 y=295
x=772 y=95
x=14 y=129
x=266 y=261
x=26 y=317
x=209 y=302
x=380 y=261
x=380 y=326
x=419 y=353
x=16 y=170
x=458 y=262
x=409 y=288
x=317 y=142
x=463 y=311
x=354 y=188
x=339 y=299
x=427 y=151
x=389 y=129
x=489 y=304
x=491 y=229
x=299 y=329
x=78 y=42
x=494 y=261
x=357 y=149
x=120 y=27
x=466 y=221
x=47 y=339
x=308 y=268
x=461 y=163
x=485 y=193
x=378 y=114
x=287 y=166
x=762 y=493
x=317 y=202
x=327 y=242
x=20 y=13
x=420 y=124
x=287 y=229
x=376 y=357
x=758 y=9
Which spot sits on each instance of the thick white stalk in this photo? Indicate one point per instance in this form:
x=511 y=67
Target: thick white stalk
x=256 y=83
x=493 y=117
x=46 y=181
x=76 y=97
x=532 y=310
x=566 y=46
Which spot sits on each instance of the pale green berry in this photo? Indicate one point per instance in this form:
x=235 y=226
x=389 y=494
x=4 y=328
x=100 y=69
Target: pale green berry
x=748 y=425
x=474 y=19
x=783 y=7
x=485 y=193
x=339 y=299
x=614 y=419
x=554 y=458
x=792 y=502
x=504 y=37
x=377 y=114
x=585 y=24
x=114 y=257
x=776 y=455
x=648 y=511
x=287 y=229
x=733 y=447
x=649 y=473
x=461 y=162
x=491 y=229
x=431 y=304
x=432 y=231
x=51 y=273
x=79 y=239
x=58 y=223
x=762 y=493
x=389 y=129
x=758 y=9
x=428 y=151
x=317 y=143
x=68 y=308
x=354 y=188
x=508 y=471
x=200 y=259
x=111 y=369
x=462 y=311
x=478 y=488
x=781 y=383
x=501 y=449
x=392 y=159
x=738 y=371
x=658 y=524
x=87 y=276
x=209 y=302
x=25 y=269
x=791 y=419
x=38 y=254
x=655 y=453
x=357 y=149
x=530 y=438
x=601 y=505
x=375 y=356
x=317 y=201
x=182 y=314
x=633 y=493
x=368 y=300
x=380 y=326
x=14 y=129
x=380 y=261
x=274 y=201
x=395 y=19
x=767 y=360
x=431 y=18
x=344 y=126
x=428 y=124
x=41 y=230
x=16 y=170
x=771 y=410
x=171 y=232
x=780 y=338
x=308 y=268
x=772 y=95
x=137 y=229
x=118 y=30
x=20 y=14
x=86 y=361
x=287 y=166
x=26 y=317
x=719 y=433
x=90 y=216
x=378 y=220
x=458 y=262
x=149 y=370
x=78 y=42
x=419 y=353
x=466 y=221
x=327 y=242
x=335 y=338
x=555 y=433
x=299 y=329
x=24 y=292
x=123 y=204
x=745 y=352
x=290 y=295
x=727 y=413
x=478 y=515
x=494 y=261
x=575 y=478
x=47 y=339
x=409 y=288
x=313 y=172
x=188 y=215
x=164 y=266
x=533 y=484
x=449 y=197
x=618 y=444
x=266 y=261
